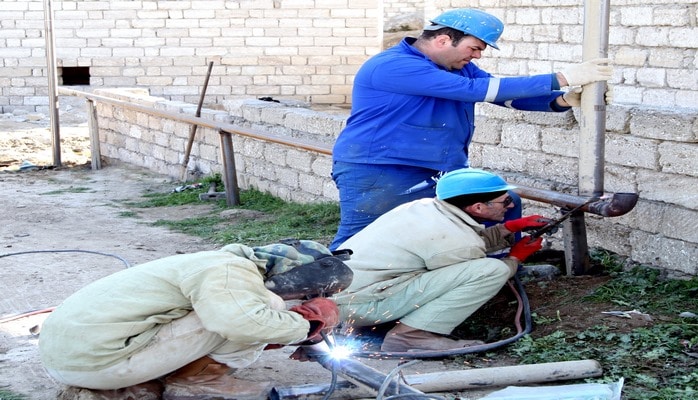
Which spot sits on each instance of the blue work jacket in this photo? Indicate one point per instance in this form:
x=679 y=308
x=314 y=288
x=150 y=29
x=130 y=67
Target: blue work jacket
x=407 y=110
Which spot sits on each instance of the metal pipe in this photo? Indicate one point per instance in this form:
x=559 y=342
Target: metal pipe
x=232 y=191
x=619 y=203
x=192 y=130
x=206 y=123
x=609 y=205
x=360 y=374
x=593 y=108
x=52 y=83
x=302 y=391
x=93 y=127
x=502 y=376
x=574 y=236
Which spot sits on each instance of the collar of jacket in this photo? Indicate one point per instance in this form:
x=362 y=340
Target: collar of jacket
x=457 y=214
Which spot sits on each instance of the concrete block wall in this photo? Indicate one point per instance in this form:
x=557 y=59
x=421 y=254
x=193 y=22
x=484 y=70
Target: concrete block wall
x=649 y=153
x=309 y=50
x=159 y=143
x=306 y=49
x=653 y=45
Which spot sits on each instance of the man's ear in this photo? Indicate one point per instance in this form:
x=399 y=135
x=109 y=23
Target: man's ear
x=473 y=208
x=442 y=40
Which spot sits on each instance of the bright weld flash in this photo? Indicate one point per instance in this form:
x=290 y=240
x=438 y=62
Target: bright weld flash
x=340 y=352
x=334 y=350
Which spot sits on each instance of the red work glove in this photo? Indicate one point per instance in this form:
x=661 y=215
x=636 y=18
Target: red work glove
x=322 y=314
x=530 y=222
x=523 y=249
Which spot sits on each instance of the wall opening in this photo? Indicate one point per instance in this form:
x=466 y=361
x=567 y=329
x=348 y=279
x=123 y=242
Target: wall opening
x=73 y=76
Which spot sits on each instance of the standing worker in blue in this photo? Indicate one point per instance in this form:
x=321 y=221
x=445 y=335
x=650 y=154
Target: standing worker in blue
x=413 y=117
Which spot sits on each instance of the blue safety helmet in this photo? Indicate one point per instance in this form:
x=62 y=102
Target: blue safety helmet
x=469 y=181
x=479 y=24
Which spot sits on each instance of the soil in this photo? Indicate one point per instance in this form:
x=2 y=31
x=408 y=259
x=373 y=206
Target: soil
x=70 y=225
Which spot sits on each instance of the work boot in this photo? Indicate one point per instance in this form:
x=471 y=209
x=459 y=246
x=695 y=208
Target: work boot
x=405 y=338
x=207 y=379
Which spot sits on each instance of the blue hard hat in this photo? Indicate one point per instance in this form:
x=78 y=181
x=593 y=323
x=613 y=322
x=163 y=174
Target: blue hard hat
x=479 y=24
x=469 y=181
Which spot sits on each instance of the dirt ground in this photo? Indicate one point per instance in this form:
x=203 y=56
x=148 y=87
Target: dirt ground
x=64 y=227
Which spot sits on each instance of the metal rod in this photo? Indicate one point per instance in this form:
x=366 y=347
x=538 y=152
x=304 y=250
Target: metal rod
x=192 y=132
x=93 y=127
x=232 y=192
x=52 y=83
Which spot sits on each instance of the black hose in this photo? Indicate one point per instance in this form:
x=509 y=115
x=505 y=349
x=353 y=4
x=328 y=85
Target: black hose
x=523 y=299
x=128 y=265
x=50 y=309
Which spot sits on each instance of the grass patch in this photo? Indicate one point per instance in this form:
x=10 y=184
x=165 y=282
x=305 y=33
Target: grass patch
x=71 y=189
x=7 y=395
x=658 y=361
x=273 y=219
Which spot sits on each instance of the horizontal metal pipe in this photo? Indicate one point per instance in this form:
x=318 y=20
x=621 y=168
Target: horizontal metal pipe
x=618 y=204
x=503 y=376
x=611 y=205
x=302 y=391
x=203 y=122
x=360 y=374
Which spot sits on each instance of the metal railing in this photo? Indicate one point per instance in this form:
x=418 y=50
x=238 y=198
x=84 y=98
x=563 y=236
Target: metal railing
x=576 y=249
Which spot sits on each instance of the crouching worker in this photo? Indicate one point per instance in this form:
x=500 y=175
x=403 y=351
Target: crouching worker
x=190 y=319
x=424 y=264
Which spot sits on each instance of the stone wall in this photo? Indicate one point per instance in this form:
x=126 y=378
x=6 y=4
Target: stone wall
x=645 y=154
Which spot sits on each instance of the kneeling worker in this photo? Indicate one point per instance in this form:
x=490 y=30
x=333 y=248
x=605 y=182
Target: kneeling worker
x=425 y=265
x=199 y=315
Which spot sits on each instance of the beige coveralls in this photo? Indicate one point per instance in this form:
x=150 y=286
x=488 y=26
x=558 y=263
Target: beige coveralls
x=423 y=263
x=147 y=321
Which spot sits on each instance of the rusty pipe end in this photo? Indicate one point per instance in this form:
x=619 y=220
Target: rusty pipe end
x=618 y=204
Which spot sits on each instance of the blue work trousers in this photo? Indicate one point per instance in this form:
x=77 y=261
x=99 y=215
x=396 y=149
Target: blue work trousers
x=367 y=191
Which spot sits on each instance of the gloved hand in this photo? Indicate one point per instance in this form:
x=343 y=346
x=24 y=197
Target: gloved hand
x=322 y=314
x=573 y=97
x=608 y=96
x=530 y=222
x=588 y=72
x=523 y=249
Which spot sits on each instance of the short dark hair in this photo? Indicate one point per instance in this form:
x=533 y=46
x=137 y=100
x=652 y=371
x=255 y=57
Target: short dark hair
x=455 y=35
x=465 y=200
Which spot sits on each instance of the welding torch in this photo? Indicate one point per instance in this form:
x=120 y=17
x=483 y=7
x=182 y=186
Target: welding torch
x=551 y=227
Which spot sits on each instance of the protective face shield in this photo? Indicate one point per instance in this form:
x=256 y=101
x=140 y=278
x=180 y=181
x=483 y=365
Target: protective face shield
x=479 y=24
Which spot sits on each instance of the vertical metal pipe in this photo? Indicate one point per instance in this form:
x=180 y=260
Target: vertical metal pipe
x=592 y=135
x=574 y=233
x=93 y=127
x=593 y=109
x=232 y=192
x=52 y=82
